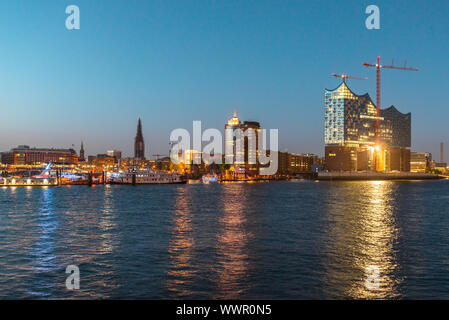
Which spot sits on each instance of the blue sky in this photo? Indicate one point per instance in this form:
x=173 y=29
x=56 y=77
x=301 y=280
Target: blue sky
x=172 y=62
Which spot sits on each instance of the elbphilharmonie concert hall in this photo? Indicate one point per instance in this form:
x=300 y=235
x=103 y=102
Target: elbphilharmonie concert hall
x=351 y=143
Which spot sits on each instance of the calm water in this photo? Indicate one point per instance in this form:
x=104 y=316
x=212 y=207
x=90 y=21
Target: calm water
x=280 y=240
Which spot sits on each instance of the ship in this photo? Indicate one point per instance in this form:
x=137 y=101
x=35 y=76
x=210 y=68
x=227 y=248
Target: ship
x=44 y=179
x=145 y=177
x=210 y=178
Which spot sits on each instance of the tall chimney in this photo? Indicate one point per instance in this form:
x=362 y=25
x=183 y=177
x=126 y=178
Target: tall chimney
x=441 y=152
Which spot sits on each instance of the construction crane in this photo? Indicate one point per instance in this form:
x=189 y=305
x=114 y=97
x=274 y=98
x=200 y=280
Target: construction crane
x=158 y=155
x=345 y=76
x=378 y=66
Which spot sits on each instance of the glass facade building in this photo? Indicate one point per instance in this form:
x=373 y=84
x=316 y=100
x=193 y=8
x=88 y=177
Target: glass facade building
x=350 y=124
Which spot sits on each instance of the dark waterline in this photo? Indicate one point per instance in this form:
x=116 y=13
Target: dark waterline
x=283 y=240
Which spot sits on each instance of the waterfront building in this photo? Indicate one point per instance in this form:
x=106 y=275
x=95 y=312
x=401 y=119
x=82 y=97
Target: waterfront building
x=102 y=160
x=139 y=145
x=241 y=146
x=117 y=154
x=190 y=162
x=293 y=164
x=350 y=134
x=24 y=155
x=251 y=130
x=132 y=163
x=420 y=161
x=440 y=166
x=233 y=154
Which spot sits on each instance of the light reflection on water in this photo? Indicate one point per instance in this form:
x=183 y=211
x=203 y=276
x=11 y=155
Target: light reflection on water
x=180 y=271
x=232 y=239
x=276 y=240
x=43 y=251
x=362 y=236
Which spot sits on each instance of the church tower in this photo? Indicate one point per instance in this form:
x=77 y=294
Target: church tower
x=139 y=145
x=82 y=158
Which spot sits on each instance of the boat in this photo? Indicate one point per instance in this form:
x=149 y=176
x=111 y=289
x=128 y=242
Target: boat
x=41 y=180
x=29 y=182
x=210 y=178
x=145 y=177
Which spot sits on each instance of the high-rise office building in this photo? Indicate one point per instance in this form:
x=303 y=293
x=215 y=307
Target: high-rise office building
x=234 y=152
x=241 y=146
x=350 y=134
x=139 y=145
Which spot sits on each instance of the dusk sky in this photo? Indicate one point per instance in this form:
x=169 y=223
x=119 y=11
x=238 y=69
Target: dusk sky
x=172 y=62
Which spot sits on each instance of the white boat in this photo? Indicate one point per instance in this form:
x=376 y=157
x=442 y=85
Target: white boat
x=29 y=181
x=210 y=178
x=41 y=180
x=145 y=177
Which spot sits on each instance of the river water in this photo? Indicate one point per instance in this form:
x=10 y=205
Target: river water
x=280 y=240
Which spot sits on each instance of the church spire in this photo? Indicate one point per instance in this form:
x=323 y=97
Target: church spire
x=235 y=111
x=139 y=129
x=139 y=145
x=82 y=157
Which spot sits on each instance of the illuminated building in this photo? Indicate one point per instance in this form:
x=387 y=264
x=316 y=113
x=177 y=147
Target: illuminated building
x=116 y=154
x=139 y=145
x=292 y=163
x=251 y=147
x=102 y=160
x=234 y=155
x=420 y=161
x=350 y=134
x=440 y=166
x=241 y=146
x=24 y=155
x=190 y=161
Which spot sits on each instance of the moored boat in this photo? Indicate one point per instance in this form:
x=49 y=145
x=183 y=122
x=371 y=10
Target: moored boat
x=145 y=177
x=210 y=178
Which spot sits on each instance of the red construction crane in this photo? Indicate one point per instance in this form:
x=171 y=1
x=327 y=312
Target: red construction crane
x=345 y=76
x=378 y=66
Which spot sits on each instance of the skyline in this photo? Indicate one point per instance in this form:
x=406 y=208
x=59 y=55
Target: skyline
x=273 y=61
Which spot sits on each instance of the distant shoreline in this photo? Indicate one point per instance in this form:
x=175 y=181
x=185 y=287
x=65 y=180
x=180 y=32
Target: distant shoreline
x=370 y=176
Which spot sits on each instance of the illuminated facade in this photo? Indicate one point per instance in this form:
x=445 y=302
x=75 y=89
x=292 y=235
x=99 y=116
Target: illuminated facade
x=117 y=154
x=234 y=154
x=350 y=134
x=24 y=155
x=420 y=161
x=292 y=163
x=241 y=146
